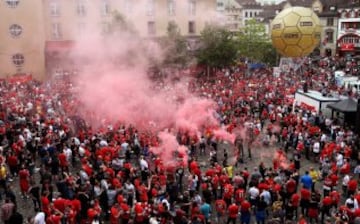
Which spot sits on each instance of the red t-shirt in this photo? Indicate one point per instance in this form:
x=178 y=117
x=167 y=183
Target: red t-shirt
x=334 y=179
x=357 y=212
x=220 y=206
x=45 y=205
x=295 y=199
x=291 y=186
x=76 y=204
x=62 y=159
x=125 y=211
x=114 y=215
x=245 y=206
x=240 y=195
x=54 y=219
x=327 y=201
x=335 y=196
x=305 y=194
x=228 y=191
x=263 y=186
x=139 y=212
x=233 y=210
x=59 y=204
x=352 y=185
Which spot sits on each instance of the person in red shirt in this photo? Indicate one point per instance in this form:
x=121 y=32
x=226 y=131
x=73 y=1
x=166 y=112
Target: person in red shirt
x=13 y=164
x=92 y=214
x=295 y=202
x=335 y=197
x=233 y=211
x=302 y=220
x=290 y=187
x=45 y=203
x=245 y=174
x=334 y=179
x=124 y=213
x=24 y=176
x=115 y=214
x=220 y=207
x=63 y=162
x=305 y=200
x=240 y=195
x=245 y=212
x=55 y=218
x=263 y=186
x=139 y=214
x=228 y=193
x=326 y=205
x=352 y=186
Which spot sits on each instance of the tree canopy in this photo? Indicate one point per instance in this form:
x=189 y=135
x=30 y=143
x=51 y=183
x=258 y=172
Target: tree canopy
x=175 y=47
x=254 y=43
x=218 y=48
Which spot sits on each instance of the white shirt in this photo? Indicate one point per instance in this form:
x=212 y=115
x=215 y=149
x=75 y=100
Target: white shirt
x=323 y=138
x=352 y=201
x=254 y=192
x=267 y=196
x=68 y=154
x=81 y=151
x=144 y=164
x=346 y=180
x=339 y=160
x=125 y=146
x=316 y=147
x=39 y=218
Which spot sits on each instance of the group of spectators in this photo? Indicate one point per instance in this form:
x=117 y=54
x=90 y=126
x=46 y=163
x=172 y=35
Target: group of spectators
x=73 y=173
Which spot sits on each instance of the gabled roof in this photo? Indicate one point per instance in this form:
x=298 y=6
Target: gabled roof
x=348 y=105
x=244 y=2
x=303 y=3
x=270 y=11
x=249 y=4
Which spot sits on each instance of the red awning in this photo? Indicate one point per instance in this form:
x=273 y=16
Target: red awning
x=347 y=47
x=59 y=46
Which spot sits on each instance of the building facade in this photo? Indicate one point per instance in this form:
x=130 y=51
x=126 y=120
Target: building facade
x=230 y=14
x=38 y=40
x=348 y=27
x=22 y=35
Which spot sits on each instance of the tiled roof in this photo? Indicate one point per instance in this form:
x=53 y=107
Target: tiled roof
x=244 y=2
x=269 y=11
x=303 y=3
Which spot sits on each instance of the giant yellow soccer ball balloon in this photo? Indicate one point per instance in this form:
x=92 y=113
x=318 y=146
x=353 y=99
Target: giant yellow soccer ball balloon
x=295 y=32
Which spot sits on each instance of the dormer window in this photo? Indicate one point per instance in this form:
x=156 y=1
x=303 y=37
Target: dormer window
x=352 y=14
x=343 y=14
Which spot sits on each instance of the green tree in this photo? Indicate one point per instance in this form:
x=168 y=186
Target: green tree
x=218 y=47
x=175 y=47
x=254 y=43
x=119 y=25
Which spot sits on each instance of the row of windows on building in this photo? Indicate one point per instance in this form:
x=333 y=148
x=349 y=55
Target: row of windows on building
x=12 y=3
x=349 y=14
x=251 y=14
x=106 y=9
x=105 y=29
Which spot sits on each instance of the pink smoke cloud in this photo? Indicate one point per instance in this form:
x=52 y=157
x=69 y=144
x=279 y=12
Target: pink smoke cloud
x=169 y=149
x=113 y=84
x=224 y=135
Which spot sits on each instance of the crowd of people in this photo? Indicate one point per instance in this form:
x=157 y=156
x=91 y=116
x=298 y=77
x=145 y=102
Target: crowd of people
x=73 y=173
